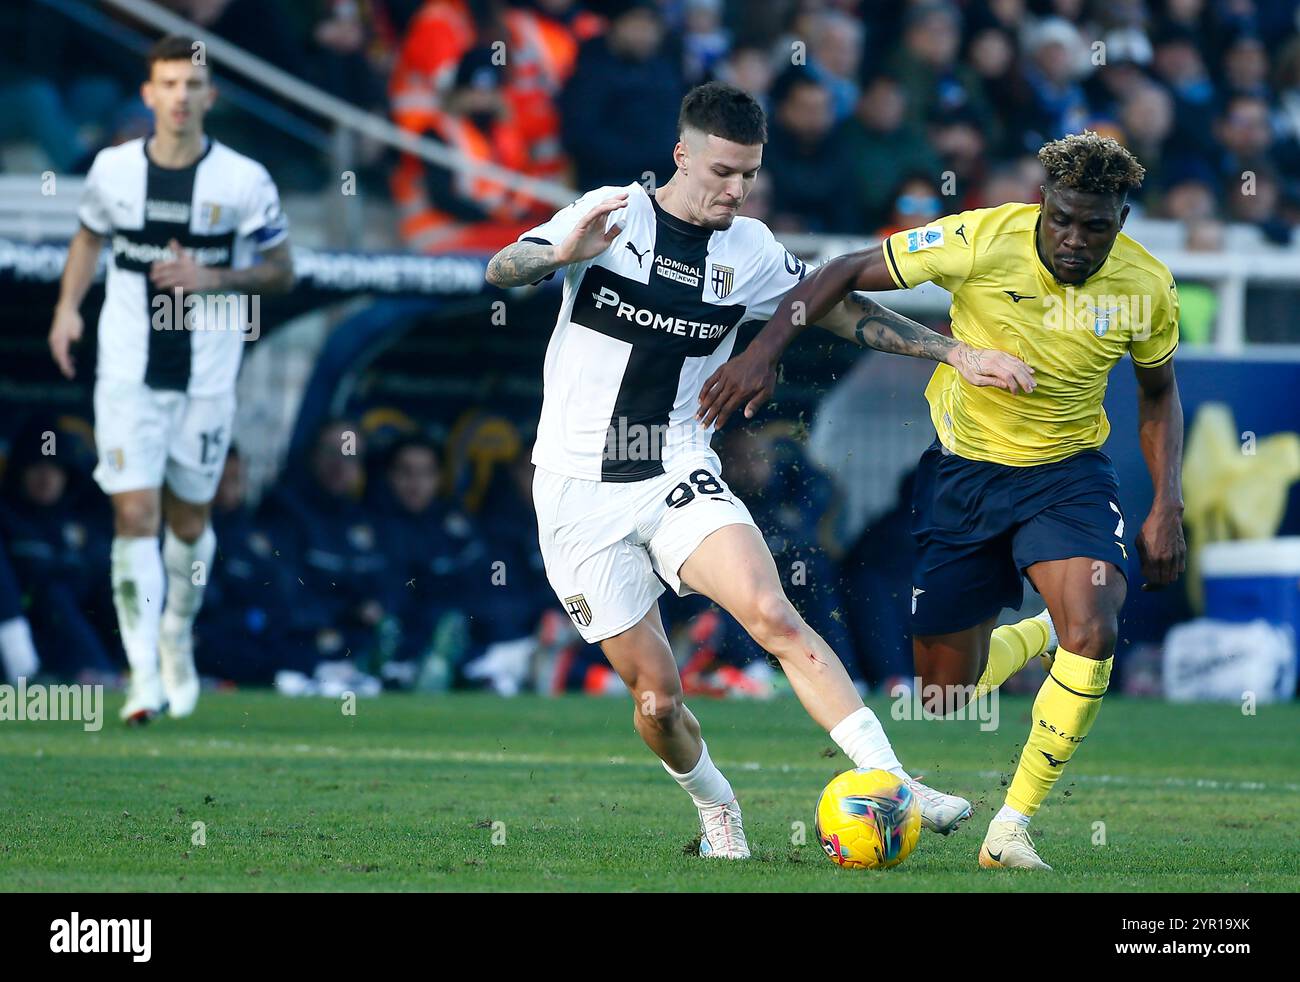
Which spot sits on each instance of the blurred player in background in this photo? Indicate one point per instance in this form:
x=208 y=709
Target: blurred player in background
x=629 y=493
x=187 y=219
x=1016 y=486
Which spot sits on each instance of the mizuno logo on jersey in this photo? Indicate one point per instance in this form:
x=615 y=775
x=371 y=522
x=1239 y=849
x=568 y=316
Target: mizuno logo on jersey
x=1017 y=297
x=657 y=322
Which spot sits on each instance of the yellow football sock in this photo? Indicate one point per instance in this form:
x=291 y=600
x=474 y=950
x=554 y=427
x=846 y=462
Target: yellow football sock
x=1010 y=648
x=1062 y=715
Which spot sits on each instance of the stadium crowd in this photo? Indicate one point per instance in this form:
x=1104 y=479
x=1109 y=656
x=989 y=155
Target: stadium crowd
x=884 y=115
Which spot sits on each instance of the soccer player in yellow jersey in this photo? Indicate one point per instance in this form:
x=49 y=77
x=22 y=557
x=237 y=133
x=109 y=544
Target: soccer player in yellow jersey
x=1016 y=482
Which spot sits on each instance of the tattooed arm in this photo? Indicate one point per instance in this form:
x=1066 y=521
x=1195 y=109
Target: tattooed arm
x=824 y=298
x=527 y=262
x=522 y=262
x=868 y=324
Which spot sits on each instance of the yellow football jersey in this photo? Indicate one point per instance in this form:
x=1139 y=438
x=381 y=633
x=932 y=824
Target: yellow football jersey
x=1003 y=297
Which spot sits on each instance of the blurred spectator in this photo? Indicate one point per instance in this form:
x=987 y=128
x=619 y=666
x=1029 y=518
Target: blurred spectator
x=916 y=201
x=1057 y=58
x=620 y=107
x=1189 y=200
x=57 y=550
x=812 y=171
x=435 y=549
x=749 y=68
x=1180 y=66
x=1198 y=303
x=836 y=58
x=452 y=211
x=1256 y=200
x=347 y=583
x=1245 y=68
x=705 y=41
x=1147 y=117
x=536 y=52
x=1245 y=134
x=249 y=606
x=992 y=56
x=884 y=146
x=937 y=85
x=1018 y=181
x=61 y=88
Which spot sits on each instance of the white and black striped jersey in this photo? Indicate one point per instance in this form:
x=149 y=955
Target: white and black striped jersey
x=224 y=208
x=641 y=327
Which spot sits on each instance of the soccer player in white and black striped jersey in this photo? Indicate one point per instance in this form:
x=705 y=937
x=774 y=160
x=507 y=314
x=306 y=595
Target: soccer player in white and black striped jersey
x=196 y=231
x=629 y=494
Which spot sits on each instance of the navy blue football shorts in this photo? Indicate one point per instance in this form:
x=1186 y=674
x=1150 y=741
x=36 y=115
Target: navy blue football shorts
x=978 y=526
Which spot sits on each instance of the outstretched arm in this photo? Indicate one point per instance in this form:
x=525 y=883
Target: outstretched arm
x=750 y=378
x=1162 y=549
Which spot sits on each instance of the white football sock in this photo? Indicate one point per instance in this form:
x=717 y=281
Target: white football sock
x=863 y=741
x=17 y=650
x=704 y=782
x=1008 y=814
x=184 y=596
x=137 y=595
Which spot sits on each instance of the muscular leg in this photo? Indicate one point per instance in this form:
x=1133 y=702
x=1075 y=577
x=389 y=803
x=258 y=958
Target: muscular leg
x=1084 y=597
x=733 y=568
x=645 y=663
x=947 y=663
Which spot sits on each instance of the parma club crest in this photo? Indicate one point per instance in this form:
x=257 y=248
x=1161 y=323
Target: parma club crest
x=578 y=610
x=724 y=278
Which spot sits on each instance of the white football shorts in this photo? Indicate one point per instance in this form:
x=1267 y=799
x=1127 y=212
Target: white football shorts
x=608 y=545
x=147 y=437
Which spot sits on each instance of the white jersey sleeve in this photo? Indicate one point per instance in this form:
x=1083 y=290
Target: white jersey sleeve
x=776 y=273
x=557 y=228
x=263 y=219
x=93 y=211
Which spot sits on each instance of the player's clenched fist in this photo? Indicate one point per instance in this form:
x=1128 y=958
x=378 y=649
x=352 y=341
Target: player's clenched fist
x=589 y=238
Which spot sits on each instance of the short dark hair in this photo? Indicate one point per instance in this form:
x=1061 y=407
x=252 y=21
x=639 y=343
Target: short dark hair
x=173 y=47
x=1091 y=163
x=726 y=111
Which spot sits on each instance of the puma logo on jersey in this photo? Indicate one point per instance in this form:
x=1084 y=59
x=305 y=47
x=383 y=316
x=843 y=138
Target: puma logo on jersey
x=639 y=255
x=1017 y=297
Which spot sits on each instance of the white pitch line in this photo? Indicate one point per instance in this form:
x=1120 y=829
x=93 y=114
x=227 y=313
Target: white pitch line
x=564 y=760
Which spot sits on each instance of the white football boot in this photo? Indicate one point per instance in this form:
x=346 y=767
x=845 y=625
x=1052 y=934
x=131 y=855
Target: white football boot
x=721 y=834
x=939 y=812
x=1008 y=846
x=144 y=699
x=180 y=680
x=1048 y=657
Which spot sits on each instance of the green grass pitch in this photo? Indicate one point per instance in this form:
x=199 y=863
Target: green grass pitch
x=471 y=792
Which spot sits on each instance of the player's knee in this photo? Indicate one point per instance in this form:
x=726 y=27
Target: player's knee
x=658 y=707
x=1093 y=637
x=773 y=622
x=135 y=516
x=187 y=524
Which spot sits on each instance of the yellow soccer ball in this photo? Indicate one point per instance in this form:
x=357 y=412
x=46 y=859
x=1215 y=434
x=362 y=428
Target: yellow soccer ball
x=868 y=819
